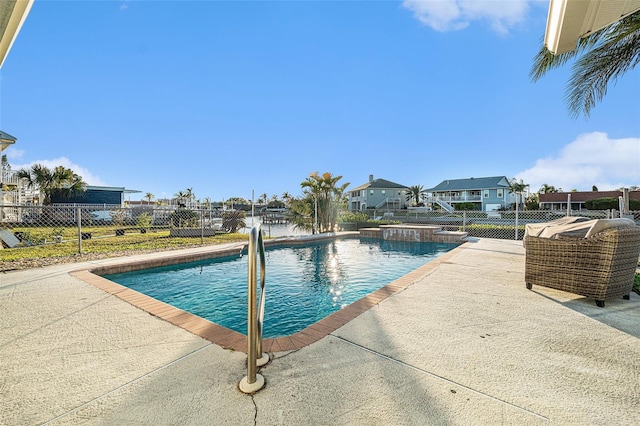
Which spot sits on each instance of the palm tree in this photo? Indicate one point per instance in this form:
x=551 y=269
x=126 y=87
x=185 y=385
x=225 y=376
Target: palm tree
x=416 y=193
x=300 y=213
x=59 y=182
x=606 y=55
x=547 y=189
x=182 y=197
x=190 y=196
x=517 y=188
x=149 y=197
x=286 y=198
x=326 y=194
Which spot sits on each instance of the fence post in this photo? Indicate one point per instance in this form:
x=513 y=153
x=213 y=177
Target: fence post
x=201 y=227
x=79 y=221
x=516 y=237
x=464 y=221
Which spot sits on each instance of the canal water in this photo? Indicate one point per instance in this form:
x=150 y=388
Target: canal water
x=274 y=230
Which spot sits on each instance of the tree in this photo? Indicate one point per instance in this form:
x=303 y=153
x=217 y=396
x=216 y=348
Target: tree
x=594 y=188
x=606 y=55
x=286 y=198
x=149 y=197
x=234 y=202
x=233 y=220
x=190 y=196
x=300 y=213
x=182 y=197
x=416 y=193
x=517 y=188
x=60 y=182
x=326 y=194
x=547 y=189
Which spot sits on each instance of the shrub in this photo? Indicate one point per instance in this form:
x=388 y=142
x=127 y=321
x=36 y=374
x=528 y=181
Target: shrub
x=144 y=220
x=610 y=203
x=353 y=217
x=233 y=220
x=183 y=218
x=466 y=206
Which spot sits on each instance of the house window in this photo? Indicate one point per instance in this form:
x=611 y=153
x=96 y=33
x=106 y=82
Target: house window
x=383 y=191
x=486 y=193
x=500 y=194
x=371 y=192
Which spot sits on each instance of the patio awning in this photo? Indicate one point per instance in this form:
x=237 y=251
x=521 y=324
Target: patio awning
x=570 y=20
x=12 y=15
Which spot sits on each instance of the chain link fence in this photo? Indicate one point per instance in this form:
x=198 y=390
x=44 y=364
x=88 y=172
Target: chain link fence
x=495 y=224
x=36 y=232
x=111 y=226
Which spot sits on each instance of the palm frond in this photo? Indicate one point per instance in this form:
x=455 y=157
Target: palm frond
x=618 y=52
x=605 y=55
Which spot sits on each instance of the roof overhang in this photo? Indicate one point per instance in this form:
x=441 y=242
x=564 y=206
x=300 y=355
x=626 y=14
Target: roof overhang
x=570 y=20
x=12 y=15
x=6 y=140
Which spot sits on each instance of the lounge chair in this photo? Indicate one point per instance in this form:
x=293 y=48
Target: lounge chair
x=593 y=258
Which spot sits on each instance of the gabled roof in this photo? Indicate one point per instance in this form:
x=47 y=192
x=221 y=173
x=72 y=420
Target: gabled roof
x=380 y=184
x=471 y=183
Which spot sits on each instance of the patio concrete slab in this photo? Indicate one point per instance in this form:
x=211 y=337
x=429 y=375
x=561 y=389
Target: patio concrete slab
x=465 y=344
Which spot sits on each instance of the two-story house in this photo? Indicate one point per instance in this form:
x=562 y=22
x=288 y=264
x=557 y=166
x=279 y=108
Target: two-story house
x=486 y=193
x=378 y=194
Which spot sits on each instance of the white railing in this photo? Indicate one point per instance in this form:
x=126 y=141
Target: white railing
x=389 y=201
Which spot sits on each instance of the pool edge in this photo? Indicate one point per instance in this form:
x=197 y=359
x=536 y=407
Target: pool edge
x=230 y=339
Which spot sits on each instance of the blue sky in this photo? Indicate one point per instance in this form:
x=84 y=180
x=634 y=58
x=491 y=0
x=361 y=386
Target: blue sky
x=230 y=97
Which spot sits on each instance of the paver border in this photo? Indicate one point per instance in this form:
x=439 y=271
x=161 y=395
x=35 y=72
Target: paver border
x=230 y=339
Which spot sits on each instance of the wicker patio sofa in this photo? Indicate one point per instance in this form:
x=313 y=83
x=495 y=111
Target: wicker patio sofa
x=598 y=260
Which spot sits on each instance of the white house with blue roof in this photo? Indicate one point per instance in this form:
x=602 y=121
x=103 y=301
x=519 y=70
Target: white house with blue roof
x=487 y=193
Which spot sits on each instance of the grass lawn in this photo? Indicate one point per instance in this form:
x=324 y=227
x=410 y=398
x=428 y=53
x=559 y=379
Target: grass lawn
x=104 y=241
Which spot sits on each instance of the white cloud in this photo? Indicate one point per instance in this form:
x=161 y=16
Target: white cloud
x=87 y=176
x=13 y=153
x=448 y=15
x=591 y=159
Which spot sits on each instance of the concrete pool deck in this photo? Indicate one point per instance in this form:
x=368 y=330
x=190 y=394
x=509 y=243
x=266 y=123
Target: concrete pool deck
x=464 y=343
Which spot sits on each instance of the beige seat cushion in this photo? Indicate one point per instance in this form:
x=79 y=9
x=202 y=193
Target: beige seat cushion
x=535 y=229
x=602 y=224
x=579 y=229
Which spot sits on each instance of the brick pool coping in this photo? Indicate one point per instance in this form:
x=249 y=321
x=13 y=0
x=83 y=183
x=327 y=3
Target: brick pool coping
x=229 y=339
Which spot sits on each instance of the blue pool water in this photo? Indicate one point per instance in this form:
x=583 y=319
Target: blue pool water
x=304 y=283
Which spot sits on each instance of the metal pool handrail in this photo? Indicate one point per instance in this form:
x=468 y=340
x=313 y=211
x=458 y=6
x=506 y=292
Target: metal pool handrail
x=255 y=315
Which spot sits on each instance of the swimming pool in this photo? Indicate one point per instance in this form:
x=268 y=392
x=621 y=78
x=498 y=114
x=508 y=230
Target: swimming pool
x=305 y=283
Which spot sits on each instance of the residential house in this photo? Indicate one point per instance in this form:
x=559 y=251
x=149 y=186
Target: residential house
x=577 y=200
x=8 y=179
x=378 y=194
x=97 y=195
x=485 y=193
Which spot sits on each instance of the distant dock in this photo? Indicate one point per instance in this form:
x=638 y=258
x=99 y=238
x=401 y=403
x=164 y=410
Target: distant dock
x=274 y=216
